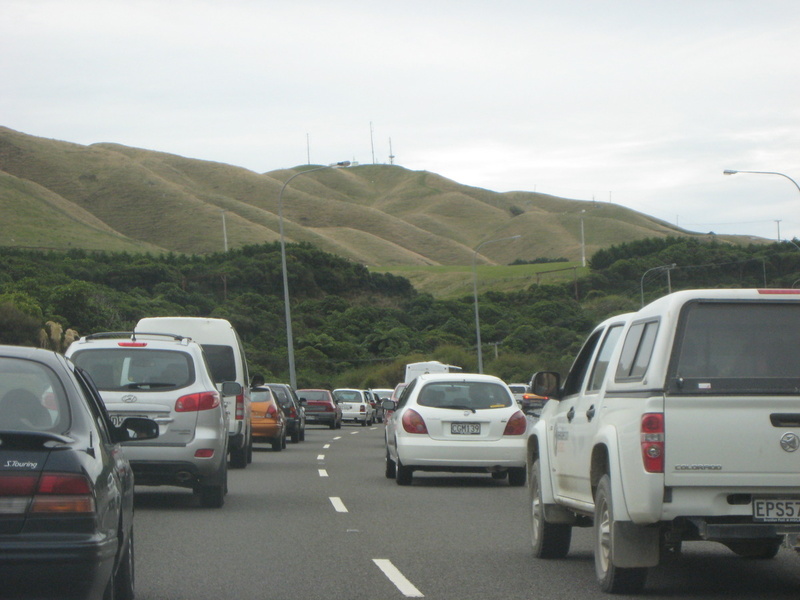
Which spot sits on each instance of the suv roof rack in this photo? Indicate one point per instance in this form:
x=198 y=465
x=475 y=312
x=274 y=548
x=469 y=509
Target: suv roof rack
x=132 y=335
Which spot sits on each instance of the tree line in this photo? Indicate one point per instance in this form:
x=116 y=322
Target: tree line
x=353 y=327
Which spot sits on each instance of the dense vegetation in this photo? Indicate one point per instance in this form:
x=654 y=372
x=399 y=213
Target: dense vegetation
x=354 y=327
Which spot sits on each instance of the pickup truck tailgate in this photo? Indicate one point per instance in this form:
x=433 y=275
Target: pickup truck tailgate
x=735 y=441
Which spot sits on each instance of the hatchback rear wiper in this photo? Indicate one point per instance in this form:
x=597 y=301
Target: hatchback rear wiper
x=457 y=407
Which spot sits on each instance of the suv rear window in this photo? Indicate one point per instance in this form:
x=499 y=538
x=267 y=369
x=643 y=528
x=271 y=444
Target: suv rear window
x=114 y=369
x=737 y=347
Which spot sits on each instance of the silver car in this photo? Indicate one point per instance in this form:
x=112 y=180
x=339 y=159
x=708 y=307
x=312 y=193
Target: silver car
x=355 y=405
x=164 y=378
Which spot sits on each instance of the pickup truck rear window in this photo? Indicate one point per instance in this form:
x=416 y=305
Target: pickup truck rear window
x=737 y=347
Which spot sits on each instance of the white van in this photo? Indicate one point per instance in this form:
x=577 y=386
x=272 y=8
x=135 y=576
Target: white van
x=427 y=367
x=226 y=357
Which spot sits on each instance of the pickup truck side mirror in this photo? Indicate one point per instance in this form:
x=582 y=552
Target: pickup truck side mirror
x=546 y=383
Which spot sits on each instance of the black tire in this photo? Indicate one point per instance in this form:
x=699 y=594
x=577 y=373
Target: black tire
x=333 y=425
x=403 y=474
x=391 y=467
x=250 y=451
x=756 y=549
x=614 y=580
x=303 y=434
x=364 y=423
x=124 y=580
x=549 y=540
x=238 y=457
x=516 y=476
x=213 y=496
x=278 y=444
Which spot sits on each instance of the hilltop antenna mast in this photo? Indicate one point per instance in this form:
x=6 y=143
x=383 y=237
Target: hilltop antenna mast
x=308 y=151
x=391 y=155
x=371 y=142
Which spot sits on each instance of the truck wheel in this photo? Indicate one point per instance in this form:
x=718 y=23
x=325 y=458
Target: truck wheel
x=758 y=549
x=614 y=580
x=549 y=540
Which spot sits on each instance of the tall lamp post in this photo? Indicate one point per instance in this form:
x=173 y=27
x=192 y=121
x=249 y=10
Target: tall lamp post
x=734 y=172
x=475 y=294
x=286 y=308
x=666 y=268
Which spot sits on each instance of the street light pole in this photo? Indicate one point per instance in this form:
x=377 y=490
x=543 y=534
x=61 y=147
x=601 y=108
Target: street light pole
x=734 y=172
x=666 y=268
x=286 y=308
x=475 y=294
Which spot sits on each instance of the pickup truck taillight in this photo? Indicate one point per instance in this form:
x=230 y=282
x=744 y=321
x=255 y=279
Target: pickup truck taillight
x=60 y=493
x=652 y=432
x=196 y=402
x=240 y=407
x=517 y=424
x=413 y=422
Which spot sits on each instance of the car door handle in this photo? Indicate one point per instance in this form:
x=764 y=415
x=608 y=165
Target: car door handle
x=590 y=413
x=571 y=414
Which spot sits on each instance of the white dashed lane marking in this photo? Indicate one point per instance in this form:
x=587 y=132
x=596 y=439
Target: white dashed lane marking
x=323 y=473
x=338 y=505
x=397 y=578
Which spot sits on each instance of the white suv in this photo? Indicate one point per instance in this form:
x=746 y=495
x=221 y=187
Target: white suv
x=164 y=378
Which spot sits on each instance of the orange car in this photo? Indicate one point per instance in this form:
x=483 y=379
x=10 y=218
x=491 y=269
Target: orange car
x=267 y=419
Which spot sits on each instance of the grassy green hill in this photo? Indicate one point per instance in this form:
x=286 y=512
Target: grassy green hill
x=107 y=196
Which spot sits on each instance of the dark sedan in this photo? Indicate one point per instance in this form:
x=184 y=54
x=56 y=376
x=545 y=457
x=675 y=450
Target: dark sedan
x=66 y=488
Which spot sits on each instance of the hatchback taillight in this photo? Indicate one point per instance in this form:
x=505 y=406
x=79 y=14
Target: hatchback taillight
x=197 y=402
x=413 y=422
x=46 y=493
x=517 y=424
x=272 y=412
x=652 y=433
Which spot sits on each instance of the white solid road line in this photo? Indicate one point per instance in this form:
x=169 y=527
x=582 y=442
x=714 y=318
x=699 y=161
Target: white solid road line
x=338 y=505
x=397 y=578
x=323 y=473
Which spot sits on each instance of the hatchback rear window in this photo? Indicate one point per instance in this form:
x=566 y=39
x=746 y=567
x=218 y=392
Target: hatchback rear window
x=118 y=369
x=313 y=396
x=737 y=347
x=468 y=395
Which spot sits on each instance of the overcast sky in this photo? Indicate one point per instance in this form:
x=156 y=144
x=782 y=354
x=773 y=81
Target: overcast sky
x=640 y=102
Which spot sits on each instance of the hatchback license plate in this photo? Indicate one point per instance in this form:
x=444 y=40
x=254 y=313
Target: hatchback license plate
x=465 y=428
x=776 y=511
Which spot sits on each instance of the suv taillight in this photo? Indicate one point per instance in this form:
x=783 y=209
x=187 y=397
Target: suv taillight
x=60 y=493
x=196 y=402
x=413 y=422
x=517 y=424
x=652 y=431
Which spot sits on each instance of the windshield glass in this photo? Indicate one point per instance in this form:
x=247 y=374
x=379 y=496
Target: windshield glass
x=471 y=395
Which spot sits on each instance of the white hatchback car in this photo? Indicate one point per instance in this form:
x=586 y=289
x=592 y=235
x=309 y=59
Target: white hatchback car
x=460 y=422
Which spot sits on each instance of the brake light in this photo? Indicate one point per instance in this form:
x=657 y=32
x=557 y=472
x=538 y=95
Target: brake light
x=197 y=402
x=362 y=408
x=204 y=453
x=329 y=408
x=413 y=422
x=272 y=412
x=652 y=432
x=240 y=407
x=47 y=493
x=517 y=424
x=132 y=344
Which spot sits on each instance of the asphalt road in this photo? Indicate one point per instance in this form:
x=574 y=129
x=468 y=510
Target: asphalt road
x=320 y=521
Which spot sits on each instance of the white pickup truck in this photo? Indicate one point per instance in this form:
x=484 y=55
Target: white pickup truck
x=676 y=423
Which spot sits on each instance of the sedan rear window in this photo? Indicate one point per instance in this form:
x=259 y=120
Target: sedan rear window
x=468 y=395
x=31 y=398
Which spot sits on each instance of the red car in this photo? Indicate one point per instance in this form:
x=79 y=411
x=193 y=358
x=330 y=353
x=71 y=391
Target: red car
x=321 y=408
